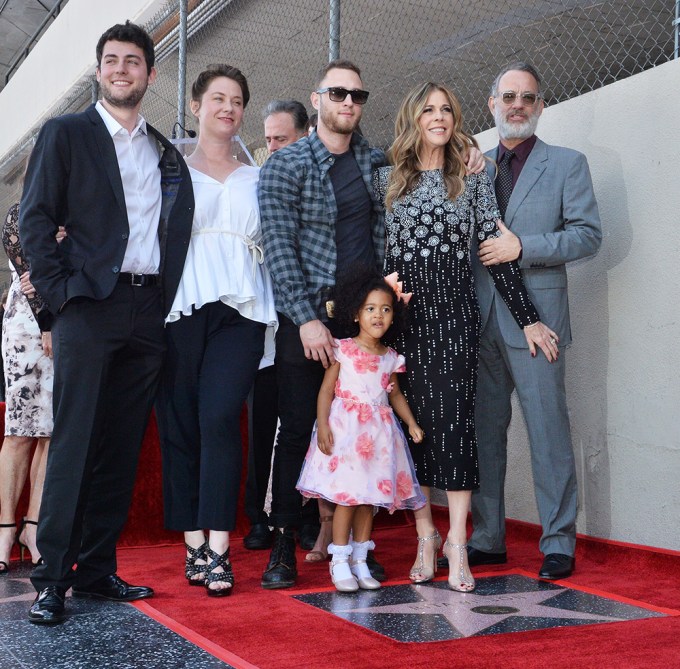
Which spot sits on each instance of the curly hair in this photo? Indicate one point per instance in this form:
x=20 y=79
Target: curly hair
x=351 y=293
x=407 y=147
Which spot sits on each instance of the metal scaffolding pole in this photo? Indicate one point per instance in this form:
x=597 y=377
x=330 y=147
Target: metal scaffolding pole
x=182 y=67
x=334 y=30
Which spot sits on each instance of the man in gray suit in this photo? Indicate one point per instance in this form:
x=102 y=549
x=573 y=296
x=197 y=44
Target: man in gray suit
x=547 y=202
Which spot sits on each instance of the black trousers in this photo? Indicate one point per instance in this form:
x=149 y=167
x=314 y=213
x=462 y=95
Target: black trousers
x=107 y=360
x=211 y=363
x=263 y=415
x=299 y=381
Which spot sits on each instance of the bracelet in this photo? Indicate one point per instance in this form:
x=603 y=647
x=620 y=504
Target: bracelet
x=531 y=325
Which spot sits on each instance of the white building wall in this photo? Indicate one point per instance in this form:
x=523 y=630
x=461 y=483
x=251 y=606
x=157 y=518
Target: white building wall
x=623 y=378
x=62 y=57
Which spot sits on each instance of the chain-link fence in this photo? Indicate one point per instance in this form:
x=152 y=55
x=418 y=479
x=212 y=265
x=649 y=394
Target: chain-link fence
x=280 y=45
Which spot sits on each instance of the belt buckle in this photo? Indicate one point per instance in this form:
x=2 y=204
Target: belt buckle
x=134 y=281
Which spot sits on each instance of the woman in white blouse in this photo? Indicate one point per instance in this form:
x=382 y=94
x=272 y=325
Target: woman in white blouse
x=216 y=336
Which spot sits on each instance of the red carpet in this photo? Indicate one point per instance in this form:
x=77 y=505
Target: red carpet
x=269 y=629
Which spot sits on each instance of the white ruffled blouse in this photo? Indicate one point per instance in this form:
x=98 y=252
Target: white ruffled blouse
x=224 y=261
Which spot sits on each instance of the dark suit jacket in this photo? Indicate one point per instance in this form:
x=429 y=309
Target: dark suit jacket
x=73 y=180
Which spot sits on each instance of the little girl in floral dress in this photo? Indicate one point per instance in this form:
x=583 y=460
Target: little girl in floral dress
x=358 y=457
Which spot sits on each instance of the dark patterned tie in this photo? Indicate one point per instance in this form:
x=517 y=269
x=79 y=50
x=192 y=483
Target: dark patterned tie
x=504 y=182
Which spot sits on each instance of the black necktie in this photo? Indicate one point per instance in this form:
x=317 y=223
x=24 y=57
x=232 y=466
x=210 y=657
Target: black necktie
x=504 y=182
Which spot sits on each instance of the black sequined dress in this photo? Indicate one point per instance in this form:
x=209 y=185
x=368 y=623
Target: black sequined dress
x=429 y=241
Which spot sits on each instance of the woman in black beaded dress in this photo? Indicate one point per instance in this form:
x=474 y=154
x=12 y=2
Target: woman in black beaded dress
x=433 y=211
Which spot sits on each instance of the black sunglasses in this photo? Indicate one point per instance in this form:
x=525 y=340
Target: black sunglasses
x=339 y=94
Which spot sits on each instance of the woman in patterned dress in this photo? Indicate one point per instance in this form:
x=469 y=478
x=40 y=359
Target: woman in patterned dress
x=27 y=357
x=433 y=211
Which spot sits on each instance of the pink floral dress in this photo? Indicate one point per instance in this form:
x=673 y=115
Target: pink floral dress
x=370 y=463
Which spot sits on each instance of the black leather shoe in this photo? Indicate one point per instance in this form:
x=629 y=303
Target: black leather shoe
x=48 y=607
x=259 y=538
x=113 y=588
x=281 y=572
x=376 y=569
x=477 y=558
x=556 y=566
x=307 y=536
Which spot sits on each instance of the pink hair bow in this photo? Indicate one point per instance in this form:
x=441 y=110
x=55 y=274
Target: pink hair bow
x=392 y=280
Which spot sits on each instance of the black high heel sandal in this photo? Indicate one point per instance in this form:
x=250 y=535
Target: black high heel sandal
x=192 y=569
x=226 y=576
x=23 y=547
x=4 y=566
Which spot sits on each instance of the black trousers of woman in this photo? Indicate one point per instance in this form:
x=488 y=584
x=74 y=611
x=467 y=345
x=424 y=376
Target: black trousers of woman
x=212 y=360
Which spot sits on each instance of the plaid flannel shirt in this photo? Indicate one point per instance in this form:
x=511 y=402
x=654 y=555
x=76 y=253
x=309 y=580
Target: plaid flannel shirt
x=298 y=214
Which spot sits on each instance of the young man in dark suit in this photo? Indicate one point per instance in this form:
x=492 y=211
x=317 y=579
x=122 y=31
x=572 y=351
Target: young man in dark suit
x=124 y=196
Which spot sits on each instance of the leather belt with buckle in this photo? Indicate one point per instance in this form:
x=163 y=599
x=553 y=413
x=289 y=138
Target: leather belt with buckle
x=140 y=280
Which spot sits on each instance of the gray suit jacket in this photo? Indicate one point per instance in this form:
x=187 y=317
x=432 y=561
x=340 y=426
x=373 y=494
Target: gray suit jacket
x=553 y=211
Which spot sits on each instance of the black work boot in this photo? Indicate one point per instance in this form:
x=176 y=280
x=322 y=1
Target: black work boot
x=281 y=572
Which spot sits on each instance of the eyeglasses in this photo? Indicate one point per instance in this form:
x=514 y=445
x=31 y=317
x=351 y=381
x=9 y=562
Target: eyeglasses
x=528 y=99
x=338 y=94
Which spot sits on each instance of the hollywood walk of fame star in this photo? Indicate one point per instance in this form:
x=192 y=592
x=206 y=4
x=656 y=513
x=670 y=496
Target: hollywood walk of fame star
x=459 y=608
x=432 y=612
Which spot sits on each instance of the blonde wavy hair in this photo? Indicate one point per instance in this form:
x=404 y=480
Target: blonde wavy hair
x=405 y=152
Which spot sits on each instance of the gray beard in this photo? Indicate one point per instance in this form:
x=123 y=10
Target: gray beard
x=507 y=130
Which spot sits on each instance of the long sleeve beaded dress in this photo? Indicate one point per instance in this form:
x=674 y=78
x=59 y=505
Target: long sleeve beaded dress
x=429 y=242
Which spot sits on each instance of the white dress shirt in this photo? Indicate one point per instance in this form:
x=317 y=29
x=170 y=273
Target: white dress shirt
x=138 y=157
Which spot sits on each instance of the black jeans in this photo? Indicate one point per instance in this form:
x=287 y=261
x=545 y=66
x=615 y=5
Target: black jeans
x=299 y=381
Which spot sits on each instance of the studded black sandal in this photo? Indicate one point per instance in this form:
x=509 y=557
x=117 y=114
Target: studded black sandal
x=192 y=569
x=226 y=576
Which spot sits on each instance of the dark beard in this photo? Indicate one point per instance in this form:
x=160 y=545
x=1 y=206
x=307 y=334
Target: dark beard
x=129 y=102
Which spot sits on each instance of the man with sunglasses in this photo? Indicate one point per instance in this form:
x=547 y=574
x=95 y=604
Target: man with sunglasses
x=319 y=217
x=547 y=202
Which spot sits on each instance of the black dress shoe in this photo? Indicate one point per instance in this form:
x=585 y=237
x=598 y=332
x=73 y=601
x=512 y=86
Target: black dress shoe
x=48 y=607
x=113 y=588
x=259 y=538
x=477 y=558
x=376 y=569
x=281 y=572
x=307 y=536
x=556 y=566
